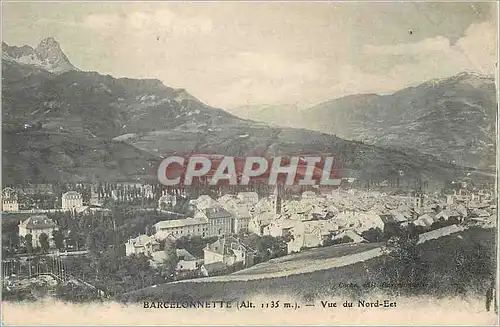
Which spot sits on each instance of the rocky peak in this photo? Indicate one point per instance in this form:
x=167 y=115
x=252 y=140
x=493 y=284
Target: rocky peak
x=47 y=55
x=49 y=48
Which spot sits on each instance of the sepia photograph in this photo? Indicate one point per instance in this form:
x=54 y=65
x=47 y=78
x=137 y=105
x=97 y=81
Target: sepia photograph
x=249 y=163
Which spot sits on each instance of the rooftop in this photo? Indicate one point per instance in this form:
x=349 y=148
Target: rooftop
x=142 y=240
x=179 y=223
x=38 y=222
x=216 y=212
x=71 y=194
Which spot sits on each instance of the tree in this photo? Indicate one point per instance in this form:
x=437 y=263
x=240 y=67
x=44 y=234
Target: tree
x=171 y=260
x=373 y=235
x=96 y=241
x=194 y=244
x=404 y=268
x=58 y=239
x=44 y=242
x=474 y=264
x=29 y=243
x=267 y=246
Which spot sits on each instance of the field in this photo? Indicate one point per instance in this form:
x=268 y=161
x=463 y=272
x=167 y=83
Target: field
x=440 y=254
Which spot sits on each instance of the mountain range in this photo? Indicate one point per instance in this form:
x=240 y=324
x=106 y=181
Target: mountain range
x=47 y=55
x=63 y=124
x=451 y=118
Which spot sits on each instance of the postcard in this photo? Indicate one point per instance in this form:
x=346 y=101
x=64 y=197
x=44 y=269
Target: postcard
x=249 y=163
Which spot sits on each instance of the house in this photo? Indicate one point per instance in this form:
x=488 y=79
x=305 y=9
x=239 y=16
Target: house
x=263 y=205
x=258 y=222
x=9 y=200
x=186 y=261
x=229 y=251
x=250 y=198
x=400 y=217
x=142 y=244
x=71 y=200
x=36 y=226
x=227 y=201
x=212 y=269
x=350 y=234
x=203 y=202
x=242 y=217
x=447 y=214
x=165 y=236
x=166 y=202
x=364 y=221
x=310 y=234
x=425 y=220
x=308 y=195
x=481 y=213
x=280 y=227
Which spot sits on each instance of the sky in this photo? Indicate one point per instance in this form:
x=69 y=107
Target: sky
x=231 y=54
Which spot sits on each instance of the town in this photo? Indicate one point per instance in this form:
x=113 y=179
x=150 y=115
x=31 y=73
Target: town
x=102 y=239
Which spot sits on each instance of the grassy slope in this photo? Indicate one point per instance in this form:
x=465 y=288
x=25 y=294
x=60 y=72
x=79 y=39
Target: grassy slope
x=298 y=260
x=440 y=254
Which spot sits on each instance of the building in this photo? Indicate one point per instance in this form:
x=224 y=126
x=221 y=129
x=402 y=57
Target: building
x=250 y=198
x=203 y=202
x=425 y=220
x=9 y=200
x=308 y=195
x=142 y=244
x=280 y=227
x=310 y=234
x=71 y=200
x=209 y=222
x=182 y=227
x=36 y=226
x=167 y=201
x=242 y=217
x=239 y=209
x=95 y=198
x=259 y=222
x=220 y=221
x=350 y=234
x=229 y=251
x=447 y=214
x=213 y=269
x=186 y=261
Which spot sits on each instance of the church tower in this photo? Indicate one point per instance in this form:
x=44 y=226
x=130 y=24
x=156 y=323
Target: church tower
x=276 y=200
